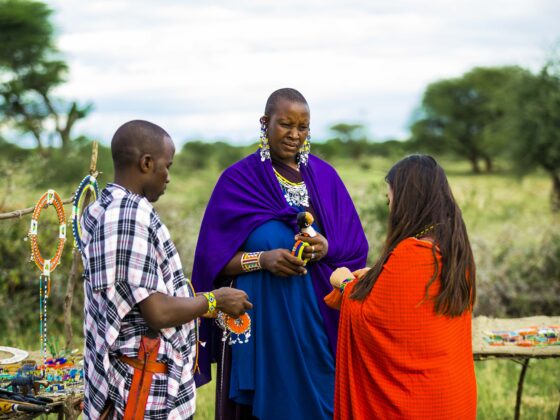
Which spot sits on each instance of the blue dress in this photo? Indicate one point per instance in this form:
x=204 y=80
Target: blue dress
x=286 y=370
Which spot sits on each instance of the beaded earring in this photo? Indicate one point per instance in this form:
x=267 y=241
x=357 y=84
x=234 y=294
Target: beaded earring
x=264 y=146
x=303 y=154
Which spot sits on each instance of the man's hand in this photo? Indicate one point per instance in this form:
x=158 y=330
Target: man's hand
x=233 y=302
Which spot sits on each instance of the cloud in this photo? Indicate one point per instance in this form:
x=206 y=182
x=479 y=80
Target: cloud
x=205 y=69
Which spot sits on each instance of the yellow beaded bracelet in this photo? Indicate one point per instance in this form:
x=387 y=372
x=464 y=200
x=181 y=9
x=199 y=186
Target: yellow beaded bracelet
x=211 y=301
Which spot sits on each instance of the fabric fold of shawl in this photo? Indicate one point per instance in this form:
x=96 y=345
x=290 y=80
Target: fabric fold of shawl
x=247 y=195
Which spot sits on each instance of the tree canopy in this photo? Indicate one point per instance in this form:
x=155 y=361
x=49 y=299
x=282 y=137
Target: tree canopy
x=464 y=115
x=30 y=69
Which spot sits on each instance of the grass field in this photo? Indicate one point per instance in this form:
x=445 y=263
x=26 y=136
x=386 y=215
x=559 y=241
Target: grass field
x=505 y=216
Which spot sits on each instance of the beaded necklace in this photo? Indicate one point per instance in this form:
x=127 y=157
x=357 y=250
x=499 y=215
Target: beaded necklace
x=424 y=231
x=46 y=266
x=295 y=193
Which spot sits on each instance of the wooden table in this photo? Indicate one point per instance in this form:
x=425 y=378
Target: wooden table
x=483 y=351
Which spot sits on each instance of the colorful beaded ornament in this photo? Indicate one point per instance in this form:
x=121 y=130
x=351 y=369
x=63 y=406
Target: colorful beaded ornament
x=234 y=328
x=298 y=248
x=89 y=183
x=47 y=266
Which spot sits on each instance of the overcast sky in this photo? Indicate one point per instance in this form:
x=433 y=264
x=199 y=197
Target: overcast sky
x=204 y=69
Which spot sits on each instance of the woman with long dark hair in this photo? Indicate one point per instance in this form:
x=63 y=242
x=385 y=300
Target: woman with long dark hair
x=404 y=343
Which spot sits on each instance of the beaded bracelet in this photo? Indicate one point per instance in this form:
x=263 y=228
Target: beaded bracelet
x=211 y=301
x=345 y=283
x=251 y=261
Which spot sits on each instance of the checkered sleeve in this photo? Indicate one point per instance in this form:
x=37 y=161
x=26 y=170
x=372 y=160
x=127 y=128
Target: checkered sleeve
x=128 y=267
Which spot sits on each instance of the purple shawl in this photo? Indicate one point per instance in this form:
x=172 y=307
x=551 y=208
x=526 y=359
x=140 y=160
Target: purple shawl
x=248 y=195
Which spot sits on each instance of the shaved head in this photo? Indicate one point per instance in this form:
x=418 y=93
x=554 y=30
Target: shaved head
x=135 y=139
x=287 y=94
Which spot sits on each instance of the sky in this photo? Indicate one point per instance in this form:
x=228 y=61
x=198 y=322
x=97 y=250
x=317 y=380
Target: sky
x=204 y=69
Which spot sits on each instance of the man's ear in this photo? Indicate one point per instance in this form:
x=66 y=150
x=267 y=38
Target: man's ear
x=146 y=163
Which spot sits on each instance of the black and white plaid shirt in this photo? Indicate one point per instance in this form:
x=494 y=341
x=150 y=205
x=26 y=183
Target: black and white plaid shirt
x=128 y=255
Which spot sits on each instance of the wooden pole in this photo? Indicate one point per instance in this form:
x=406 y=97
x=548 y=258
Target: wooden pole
x=524 y=367
x=18 y=213
x=76 y=263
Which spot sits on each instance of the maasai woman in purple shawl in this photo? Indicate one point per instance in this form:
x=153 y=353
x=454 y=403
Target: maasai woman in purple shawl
x=286 y=370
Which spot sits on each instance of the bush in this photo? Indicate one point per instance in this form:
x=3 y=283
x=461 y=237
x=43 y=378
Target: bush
x=522 y=280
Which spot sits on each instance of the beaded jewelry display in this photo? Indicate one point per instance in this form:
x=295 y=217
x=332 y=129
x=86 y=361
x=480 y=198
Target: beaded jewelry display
x=295 y=193
x=237 y=330
x=251 y=261
x=50 y=197
x=89 y=183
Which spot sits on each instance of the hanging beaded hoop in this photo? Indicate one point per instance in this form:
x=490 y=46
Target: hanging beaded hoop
x=234 y=328
x=47 y=266
x=89 y=183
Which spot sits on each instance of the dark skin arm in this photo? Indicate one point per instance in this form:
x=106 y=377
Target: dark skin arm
x=279 y=262
x=164 y=311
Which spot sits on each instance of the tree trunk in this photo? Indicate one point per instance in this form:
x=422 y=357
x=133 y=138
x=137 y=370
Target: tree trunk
x=489 y=164
x=474 y=163
x=555 y=193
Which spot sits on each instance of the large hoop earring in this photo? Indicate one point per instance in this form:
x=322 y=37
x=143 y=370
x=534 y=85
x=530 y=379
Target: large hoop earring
x=303 y=154
x=264 y=146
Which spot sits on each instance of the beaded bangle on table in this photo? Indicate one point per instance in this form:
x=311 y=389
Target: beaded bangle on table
x=251 y=261
x=345 y=283
x=211 y=302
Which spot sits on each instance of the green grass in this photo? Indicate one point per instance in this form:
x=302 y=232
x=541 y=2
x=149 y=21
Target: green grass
x=503 y=214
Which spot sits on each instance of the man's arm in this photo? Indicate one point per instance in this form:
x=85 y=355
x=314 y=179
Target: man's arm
x=164 y=311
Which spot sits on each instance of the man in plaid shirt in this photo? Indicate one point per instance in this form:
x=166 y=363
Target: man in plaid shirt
x=136 y=292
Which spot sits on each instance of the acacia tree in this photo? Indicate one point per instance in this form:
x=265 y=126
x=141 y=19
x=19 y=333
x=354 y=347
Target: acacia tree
x=464 y=115
x=30 y=69
x=534 y=122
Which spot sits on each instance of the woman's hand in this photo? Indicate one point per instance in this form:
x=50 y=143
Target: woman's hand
x=359 y=274
x=339 y=275
x=281 y=262
x=317 y=249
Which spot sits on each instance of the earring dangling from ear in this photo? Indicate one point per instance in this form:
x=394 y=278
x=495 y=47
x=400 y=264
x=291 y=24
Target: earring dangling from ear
x=303 y=154
x=264 y=146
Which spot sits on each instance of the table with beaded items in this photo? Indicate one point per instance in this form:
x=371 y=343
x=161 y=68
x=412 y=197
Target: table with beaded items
x=517 y=339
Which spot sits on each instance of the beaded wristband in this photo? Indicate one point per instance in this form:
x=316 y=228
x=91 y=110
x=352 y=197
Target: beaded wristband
x=211 y=301
x=345 y=283
x=251 y=261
